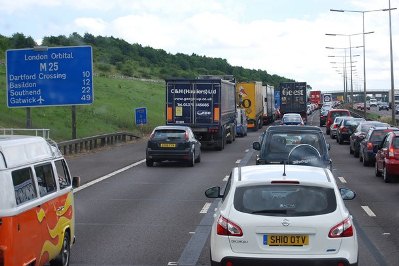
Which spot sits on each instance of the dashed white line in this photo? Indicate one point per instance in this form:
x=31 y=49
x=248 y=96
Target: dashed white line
x=238 y=161
x=368 y=211
x=206 y=207
x=342 y=179
x=107 y=176
x=226 y=178
x=172 y=263
x=247 y=150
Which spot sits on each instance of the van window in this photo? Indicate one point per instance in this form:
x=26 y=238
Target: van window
x=63 y=174
x=23 y=185
x=45 y=179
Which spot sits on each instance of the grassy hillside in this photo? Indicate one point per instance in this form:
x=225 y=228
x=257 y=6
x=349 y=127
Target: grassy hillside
x=113 y=109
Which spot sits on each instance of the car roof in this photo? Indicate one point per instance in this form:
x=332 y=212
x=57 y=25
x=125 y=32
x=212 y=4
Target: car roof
x=284 y=128
x=171 y=127
x=382 y=128
x=261 y=174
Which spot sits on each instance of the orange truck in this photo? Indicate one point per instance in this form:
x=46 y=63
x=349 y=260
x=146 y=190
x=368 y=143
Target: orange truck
x=250 y=95
x=37 y=221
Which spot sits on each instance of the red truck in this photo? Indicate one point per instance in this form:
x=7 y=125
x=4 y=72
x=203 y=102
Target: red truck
x=315 y=97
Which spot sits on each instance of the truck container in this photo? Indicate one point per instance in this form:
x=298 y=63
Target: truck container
x=251 y=98
x=207 y=105
x=293 y=98
x=315 y=98
x=268 y=104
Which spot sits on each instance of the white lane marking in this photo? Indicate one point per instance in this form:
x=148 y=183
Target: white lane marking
x=191 y=233
x=369 y=211
x=238 y=161
x=342 y=179
x=226 y=178
x=386 y=234
x=247 y=150
x=172 y=263
x=206 y=207
x=107 y=176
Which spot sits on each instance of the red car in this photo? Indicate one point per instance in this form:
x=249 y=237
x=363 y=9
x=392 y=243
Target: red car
x=387 y=157
x=332 y=114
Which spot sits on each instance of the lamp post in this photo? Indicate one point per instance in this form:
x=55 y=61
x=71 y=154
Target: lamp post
x=345 y=77
x=391 y=55
x=350 y=54
x=364 y=50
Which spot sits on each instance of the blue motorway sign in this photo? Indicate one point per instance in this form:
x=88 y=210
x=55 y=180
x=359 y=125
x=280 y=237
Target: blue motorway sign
x=49 y=76
x=141 y=115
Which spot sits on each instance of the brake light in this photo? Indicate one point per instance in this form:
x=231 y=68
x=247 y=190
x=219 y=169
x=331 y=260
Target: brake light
x=391 y=153
x=227 y=228
x=186 y=138
x=370 y=146
x=343 y=229
x=335 y=126
x=285 y=182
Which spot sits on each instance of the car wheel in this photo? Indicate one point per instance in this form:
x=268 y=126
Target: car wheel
x=365 y=162
x=191 y=161
x=377 y=173
x=63 y=258
x=198 y=158
x=149 y=162
x=350 y=149
x=386 y=175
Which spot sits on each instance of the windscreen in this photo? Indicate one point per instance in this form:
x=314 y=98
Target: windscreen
x=285 y=200
x=171 y=134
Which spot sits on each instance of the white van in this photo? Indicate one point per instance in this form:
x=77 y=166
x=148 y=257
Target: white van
x=373 y=102
x=37 y=220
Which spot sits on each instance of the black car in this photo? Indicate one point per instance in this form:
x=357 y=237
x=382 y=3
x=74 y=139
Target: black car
x=304 y=143
x=173 y=143
x=373 y=138
x=346 y=127
x=383 y=106
x=359 y=134
x=323 y=116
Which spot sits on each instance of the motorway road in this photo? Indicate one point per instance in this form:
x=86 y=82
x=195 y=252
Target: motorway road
x=160 y=216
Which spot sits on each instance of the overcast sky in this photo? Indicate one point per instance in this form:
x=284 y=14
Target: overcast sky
x=283 y=37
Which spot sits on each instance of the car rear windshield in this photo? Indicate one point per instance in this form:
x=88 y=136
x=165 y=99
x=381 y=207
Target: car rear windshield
x=339 y=113
x=285 y=200
x=169 y=134
x=378 y=135
x=292 y=119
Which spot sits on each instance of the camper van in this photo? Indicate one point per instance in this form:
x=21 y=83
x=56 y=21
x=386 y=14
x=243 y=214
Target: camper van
x=37 y=222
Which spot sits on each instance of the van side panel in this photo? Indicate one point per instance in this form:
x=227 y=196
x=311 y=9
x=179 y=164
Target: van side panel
x=37 y=234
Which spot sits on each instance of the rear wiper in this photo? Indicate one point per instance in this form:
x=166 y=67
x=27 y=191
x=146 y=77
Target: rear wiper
x=270 y=211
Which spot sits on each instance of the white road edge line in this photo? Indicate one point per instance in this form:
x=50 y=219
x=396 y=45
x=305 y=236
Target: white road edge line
x=369 y=211
x=342 y=179
x=206 y=207
x=107 y=176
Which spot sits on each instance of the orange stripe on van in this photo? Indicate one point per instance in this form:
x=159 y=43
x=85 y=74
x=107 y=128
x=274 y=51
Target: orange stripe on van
x=216 y=114
x=170 y=113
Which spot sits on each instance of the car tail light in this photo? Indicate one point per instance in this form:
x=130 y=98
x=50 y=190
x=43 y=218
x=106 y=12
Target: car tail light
x=344 y=129
x=370 y=146
x=335 y=126
x=227 y=228
x=393 y=153
x=343 y=229
x=186 y=138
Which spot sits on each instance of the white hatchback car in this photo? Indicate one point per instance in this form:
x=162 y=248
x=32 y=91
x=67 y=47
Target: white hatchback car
x=279 y=214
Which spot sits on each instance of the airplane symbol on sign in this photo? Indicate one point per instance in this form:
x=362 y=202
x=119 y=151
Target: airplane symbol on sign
x=40 y=100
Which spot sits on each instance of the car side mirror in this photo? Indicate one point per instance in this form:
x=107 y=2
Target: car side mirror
x=347 y=194
x=213 y=192
x=75 y=181
x=256 y=146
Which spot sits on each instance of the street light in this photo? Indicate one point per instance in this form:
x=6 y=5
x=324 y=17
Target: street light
x=364 y=51
x=345 y=77
x=350 y=54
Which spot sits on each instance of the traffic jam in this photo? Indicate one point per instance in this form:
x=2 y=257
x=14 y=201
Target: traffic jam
x=286 y=204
